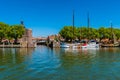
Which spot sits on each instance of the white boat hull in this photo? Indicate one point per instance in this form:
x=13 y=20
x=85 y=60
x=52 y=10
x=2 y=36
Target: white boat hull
x=91 y=45
x=64 y=46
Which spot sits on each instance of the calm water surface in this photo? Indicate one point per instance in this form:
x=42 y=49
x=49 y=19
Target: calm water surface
x=43 y=63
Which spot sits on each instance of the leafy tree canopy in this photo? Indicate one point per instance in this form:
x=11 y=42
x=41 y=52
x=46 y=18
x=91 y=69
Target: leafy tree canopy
x=69 y=33
x=11 y=31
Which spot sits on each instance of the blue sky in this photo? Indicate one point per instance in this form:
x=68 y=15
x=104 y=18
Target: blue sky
x=46 y=17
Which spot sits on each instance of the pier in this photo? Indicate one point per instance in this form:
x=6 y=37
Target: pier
x=10 y=46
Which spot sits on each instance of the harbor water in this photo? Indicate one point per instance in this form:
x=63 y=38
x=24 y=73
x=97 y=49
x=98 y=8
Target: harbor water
x=44 y=63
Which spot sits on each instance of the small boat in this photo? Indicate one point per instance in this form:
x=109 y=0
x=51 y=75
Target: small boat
x=91 y=44
x=64 y=45
x=115 y=42
x=110 y=45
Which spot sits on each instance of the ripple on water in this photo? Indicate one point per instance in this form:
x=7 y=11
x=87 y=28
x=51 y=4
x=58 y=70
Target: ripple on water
x=44 y=63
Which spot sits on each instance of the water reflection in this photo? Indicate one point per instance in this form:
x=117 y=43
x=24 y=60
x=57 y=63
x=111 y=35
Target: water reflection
x=14 y=55
x=12 y=61
x=44 y=63
x=74 y=58
x=76 y=51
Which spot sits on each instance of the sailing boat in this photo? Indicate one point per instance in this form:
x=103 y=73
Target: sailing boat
x=65 y=45
x=115 y=43
x=92 y=44
x=75 y=45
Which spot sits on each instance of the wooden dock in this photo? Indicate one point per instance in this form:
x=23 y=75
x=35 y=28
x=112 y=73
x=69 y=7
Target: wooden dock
x=10 y=46
x=109 y=45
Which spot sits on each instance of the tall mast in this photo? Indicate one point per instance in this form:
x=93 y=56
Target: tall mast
x=111 y=25
x=88 y=21
x=73 y=24
x=112 y=33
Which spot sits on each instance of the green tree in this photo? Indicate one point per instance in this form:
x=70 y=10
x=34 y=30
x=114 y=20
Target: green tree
x=16 y=31
x=117 y=33
x=83 y=32
x=68 y=33
x=3 y=30
x=93 y=33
